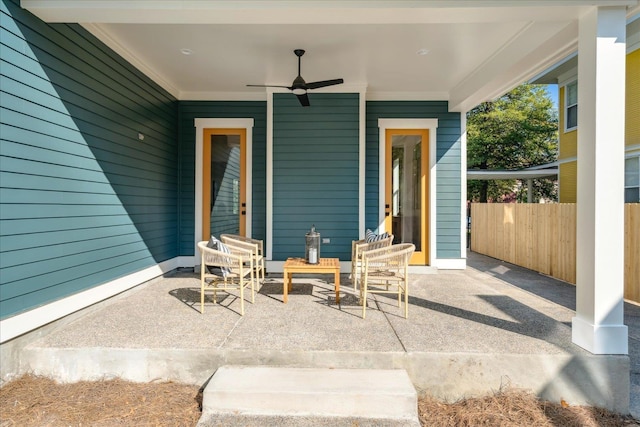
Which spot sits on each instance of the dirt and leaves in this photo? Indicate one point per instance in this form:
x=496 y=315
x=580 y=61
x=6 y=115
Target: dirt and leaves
x=37 y=401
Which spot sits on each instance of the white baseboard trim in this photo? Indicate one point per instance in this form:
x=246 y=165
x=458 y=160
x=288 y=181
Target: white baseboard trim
x=186 y=261
x=451 y=264
x=22 y=323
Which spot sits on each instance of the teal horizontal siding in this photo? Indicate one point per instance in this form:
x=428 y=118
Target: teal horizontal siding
x=60 y=236
x=188 y=112
x=83 y=201
x=315 y=173
x=58 y=48
x=448 y=163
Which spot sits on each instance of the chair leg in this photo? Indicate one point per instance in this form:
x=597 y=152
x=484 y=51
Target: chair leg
x=263 y=269
x=363 y=291
x=201 y=295
x=241 y=282
x=254 y=279
x=406 y=303
x=405 y=289
x=215 y=291
x=354 y=279
x=253 y=293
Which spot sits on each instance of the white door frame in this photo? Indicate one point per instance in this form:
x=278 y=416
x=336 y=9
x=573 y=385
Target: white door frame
x=432 y=126
x=205 y=123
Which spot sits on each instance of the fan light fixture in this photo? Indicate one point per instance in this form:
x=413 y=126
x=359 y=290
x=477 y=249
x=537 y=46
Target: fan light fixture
x=299 y=91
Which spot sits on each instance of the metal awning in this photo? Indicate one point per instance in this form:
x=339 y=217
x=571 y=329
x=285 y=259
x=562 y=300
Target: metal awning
x=548 y=170
x=512 y=174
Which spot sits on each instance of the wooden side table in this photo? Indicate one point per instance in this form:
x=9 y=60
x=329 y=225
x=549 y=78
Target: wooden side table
x=299 y=265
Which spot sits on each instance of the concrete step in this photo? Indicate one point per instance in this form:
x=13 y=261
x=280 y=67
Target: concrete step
x=262 y=395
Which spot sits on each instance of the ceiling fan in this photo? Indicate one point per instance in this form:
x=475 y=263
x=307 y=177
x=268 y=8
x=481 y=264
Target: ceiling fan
x=299 y=87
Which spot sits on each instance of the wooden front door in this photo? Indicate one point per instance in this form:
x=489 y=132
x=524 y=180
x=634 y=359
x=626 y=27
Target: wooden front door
x=224 y=187
x=406 y=189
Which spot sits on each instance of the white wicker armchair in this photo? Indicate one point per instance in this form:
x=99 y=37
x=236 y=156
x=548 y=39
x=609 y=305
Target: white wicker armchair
x=357 y=248
x=229 y=272
x=386 y=271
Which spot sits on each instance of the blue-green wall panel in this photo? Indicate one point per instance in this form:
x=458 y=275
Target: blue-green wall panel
x=82 y=200
x=188 y=112
x=315 y=173
x=448 y=163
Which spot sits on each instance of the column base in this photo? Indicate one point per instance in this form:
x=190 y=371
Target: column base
x=602 y=339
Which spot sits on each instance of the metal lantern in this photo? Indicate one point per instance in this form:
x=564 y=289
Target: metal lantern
x=312 y=247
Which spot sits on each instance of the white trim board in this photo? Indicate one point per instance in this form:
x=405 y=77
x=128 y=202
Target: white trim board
x=463 y=187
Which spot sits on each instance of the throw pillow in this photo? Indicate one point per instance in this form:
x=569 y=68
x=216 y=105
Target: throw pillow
x=217 y=245
x=370 y=236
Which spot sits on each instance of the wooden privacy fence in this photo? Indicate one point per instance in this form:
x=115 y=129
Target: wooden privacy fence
x=542 y=237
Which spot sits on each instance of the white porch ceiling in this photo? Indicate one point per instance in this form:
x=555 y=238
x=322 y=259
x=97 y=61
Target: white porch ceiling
x=477 y=50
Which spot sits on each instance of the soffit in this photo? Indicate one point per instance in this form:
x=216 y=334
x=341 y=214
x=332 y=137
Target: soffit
x=477 y=50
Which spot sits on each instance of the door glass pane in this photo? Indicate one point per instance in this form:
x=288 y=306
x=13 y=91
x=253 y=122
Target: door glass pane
x=632 y=172
x=225 y=184
x=632 y=180
x=406 y=200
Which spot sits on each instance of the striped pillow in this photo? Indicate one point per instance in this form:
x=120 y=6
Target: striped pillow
x=370 y=236
x=218 y=246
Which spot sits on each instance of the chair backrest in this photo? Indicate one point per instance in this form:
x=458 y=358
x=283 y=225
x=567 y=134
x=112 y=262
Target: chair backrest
x=240 y=244
x=382 y=243
x=357 y=246
x=393 y=256
x=236 y=237
x=214 y=257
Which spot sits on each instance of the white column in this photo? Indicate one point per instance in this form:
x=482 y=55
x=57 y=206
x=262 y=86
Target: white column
x=598 y=325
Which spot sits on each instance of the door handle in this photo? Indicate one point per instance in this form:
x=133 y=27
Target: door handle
x=244 y=212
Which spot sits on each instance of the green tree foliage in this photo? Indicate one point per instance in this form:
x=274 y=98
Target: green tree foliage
x=516 y=131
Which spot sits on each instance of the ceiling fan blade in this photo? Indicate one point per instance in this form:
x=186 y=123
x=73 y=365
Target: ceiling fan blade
x=304 y=99
x=286 y=87
x=324 y=83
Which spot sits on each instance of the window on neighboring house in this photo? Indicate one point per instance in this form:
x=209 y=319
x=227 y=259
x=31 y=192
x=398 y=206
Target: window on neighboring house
x=632 y=180
x=571 y=106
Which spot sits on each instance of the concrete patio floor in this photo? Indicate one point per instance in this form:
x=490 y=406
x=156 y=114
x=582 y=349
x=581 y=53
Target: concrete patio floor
x=468 y=333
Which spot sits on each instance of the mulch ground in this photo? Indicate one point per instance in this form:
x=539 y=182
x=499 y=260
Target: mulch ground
x=37 y=401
